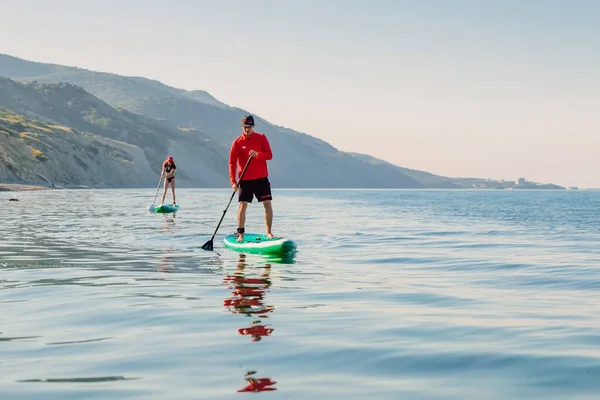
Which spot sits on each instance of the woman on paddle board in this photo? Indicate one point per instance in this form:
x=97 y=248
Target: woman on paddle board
x=255 y=182
x=168 y=172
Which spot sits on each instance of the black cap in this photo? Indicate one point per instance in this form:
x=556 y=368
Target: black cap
x=248 y=120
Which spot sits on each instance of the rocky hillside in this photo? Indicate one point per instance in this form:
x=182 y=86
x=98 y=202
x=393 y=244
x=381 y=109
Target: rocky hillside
x=70 y=106
x=39 y=152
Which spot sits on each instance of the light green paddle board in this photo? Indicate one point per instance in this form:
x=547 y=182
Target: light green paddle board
x=166 y=208
x=259 y=244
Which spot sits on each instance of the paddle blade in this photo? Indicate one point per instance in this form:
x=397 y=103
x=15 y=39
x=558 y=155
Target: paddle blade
x=208 y=245
x=151 y=207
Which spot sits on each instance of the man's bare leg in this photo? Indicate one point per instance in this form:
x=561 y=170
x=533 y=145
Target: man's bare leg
x=268 y=217
x=242 y=219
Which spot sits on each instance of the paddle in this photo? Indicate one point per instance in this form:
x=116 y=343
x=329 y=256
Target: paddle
x=209 y=245
x=151 y=207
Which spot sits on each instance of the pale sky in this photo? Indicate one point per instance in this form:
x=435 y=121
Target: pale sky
x=467 y=88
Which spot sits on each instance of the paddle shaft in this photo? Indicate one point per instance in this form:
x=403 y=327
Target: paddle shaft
x=231 y=198
x=157 y=187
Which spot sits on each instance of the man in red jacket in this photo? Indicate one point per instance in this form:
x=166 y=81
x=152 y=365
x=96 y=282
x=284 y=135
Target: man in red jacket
x=256 y=178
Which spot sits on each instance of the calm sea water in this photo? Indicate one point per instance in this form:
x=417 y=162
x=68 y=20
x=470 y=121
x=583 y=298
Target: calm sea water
x=392 y=295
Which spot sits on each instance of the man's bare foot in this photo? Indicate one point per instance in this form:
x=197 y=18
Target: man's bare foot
x=240 y=237
x=270 y=235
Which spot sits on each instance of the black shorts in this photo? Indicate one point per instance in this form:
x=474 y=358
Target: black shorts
x=261 y=188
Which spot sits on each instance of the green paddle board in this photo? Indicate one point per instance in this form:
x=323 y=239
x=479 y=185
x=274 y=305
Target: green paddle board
x=259 y=244
x=166 y=208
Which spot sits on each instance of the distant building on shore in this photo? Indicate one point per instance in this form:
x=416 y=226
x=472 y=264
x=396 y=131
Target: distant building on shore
x=520 y=181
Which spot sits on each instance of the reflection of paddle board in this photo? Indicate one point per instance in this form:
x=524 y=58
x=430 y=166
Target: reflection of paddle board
x=259 y=244
x=166 y=208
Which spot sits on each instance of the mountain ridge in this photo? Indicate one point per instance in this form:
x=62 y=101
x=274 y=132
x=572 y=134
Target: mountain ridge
x=196 y=122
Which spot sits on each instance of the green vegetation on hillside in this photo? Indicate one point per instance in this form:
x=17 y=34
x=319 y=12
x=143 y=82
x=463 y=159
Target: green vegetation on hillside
x=39 y=152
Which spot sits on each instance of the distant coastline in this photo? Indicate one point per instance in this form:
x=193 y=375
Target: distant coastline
x=14 y=187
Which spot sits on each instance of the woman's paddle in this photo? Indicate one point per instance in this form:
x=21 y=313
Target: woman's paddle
x=209 y=245
x=151 y=207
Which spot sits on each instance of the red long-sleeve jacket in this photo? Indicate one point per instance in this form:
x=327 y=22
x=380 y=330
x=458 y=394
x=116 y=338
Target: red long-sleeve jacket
x=239 y=154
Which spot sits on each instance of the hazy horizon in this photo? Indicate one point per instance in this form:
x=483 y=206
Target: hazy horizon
x=500 y=90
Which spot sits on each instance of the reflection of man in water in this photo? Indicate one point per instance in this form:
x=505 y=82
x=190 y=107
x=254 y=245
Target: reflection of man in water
x=256 y=331
x=247 y=298
x=257 y=384
x=248 y=292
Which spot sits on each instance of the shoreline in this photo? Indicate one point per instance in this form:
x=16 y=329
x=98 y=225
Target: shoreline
x=20 y=187
x=17 y=187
